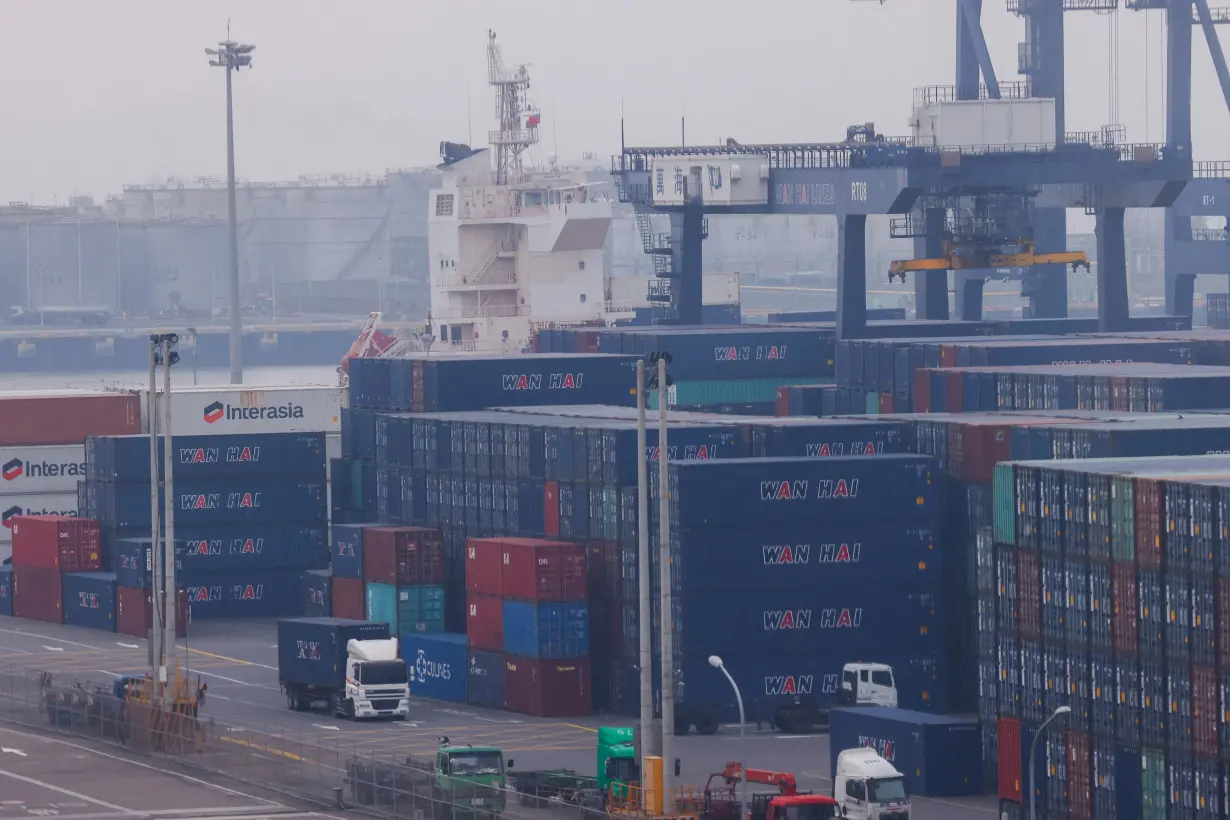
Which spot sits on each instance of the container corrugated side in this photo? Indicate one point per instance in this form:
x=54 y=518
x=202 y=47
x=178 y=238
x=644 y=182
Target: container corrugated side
x=259 y=409
x=439 y=666
x=546 y=630
x=249 y=455
x=66 y=417
x=312 y=651
x=381 y=604
x=486 y=679
x=242 y=594
x=90 y=600
x=214 y=502
x=547 y=688
x=27 y=505
x=6 y=590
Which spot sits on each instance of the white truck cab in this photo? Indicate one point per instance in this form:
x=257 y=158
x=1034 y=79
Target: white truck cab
x=377 y=682
x=867 y=684
x=868 y=787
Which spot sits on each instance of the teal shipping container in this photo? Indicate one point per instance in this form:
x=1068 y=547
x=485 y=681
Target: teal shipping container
x=382 y=605
x=420 y=609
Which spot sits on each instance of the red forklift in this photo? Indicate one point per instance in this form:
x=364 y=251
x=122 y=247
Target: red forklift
x=787 y=803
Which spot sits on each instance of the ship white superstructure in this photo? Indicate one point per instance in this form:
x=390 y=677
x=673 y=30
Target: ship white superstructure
x=510 y=246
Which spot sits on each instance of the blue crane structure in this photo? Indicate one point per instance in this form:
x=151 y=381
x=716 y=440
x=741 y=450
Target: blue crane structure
x=946 y=198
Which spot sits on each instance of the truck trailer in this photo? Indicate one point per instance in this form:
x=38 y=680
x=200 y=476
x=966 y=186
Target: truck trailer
x=353 y=667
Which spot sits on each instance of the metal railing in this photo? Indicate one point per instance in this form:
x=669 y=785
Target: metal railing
x=327 y=769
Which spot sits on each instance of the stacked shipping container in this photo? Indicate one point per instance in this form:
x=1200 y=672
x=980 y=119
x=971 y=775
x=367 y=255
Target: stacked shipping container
x=55 y=574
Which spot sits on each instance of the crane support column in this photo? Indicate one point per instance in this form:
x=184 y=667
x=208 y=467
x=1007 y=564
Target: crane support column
x=1047 y=285
x=1219 y=56
x=851 y=276
x=687 y=243
x=1180 y=274
x=968 y=288
x=931 y=286
x=972 y=53
x=1112 y=271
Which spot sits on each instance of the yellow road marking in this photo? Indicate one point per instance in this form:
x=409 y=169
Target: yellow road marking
x=232 y=660
x=579 y=726
x=255 y=747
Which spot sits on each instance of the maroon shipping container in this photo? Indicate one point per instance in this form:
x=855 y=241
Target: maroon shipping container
x=782 y=405
x=485 y=622
x=1147 y=497
x=38 y=594
x=1080 y=775
x=922 y=391
x=1010 y=771
x=550 y=508
x=66 y=416
x=410 y=556
x=1028 y=594
x=349 y=599
x=886 y=403
x=60 y=542
x=536 y=570
x=134 y=612
x=1204 y=711
x=546 y=688
x=484 y=570
x=605 y=580
x=1125 y=626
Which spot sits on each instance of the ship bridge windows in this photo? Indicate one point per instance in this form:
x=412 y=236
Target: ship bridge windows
x=532 y=199
x=444 y=204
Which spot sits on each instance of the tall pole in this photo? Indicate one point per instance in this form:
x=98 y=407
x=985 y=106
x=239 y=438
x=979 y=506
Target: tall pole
x=664 y=565
x=716 y=661
x=168 y=542
x=649 y=745
x=29 y=284
x=156 y=565
x=1033 y=747
x=236 y=327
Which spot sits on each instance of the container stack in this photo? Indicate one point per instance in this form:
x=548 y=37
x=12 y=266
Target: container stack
x=131 y=561
x=527 y=603
x=249 y=508
x=42 y=448
x=55 y=575
x=1106 y=586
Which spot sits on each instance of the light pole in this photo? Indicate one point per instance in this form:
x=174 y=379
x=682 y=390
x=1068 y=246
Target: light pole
x=1033 y=747
x=232 y=56
x=716 y=662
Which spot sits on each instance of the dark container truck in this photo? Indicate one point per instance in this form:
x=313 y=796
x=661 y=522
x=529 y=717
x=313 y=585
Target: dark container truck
x=352 y=666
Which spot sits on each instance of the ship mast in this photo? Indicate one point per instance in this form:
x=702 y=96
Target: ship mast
x=518 y=119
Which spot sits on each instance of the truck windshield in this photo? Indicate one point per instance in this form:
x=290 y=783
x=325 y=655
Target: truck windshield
x=470 y=764
x=811 y=811
x=622 y=769
x=382 y=673
x=884 y=791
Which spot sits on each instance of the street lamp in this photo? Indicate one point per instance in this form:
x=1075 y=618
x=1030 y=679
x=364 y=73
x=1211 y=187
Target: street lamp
x=232 y=56
x=1033 y=747
x=716 y=662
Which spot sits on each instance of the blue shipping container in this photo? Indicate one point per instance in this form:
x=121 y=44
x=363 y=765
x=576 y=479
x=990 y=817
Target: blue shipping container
x=771 y=558
x=798 y=490
x=735 y=352
x=381 y=604
x=89 y=600
x=474 y=383
x=486 y=680
x=832 y=437
x=215 y=502
x=255 y=455
x=312 y=651
x=317 y=593
x=132 y=562
x=347 y=551
x=438 y=664
x=940 y=756
x=243 y=594
x=546 y=630
x=6 y=590
x=256 y=546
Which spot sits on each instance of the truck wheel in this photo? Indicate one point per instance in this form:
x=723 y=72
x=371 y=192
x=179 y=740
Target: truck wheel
x=292 y=700
x=706 y=724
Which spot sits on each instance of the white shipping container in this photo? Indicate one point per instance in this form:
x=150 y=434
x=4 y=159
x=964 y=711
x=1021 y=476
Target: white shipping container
x=991 y=123
x=216 y=410
x=12 y=506
x=54 y=468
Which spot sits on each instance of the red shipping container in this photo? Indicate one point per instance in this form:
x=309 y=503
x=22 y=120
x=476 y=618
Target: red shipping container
x=955 y=388
x=410 y=556
x=922 y=391
x=61 y=542
x=349 y=599
x=1204 y=711
x=484 y=566
x=550 y=508
x=1125 y=609
x=782 y=407
x=886 y=403
x=38 y=594
x=535 y=570
x=1147 y=496
x=979 y=447
x=1010 y=770
x=66 y=416
x=134 y=612
x=485 y=622
x=1080 y=775
x=547 y=688
x=948 y=356
x=1028 y=594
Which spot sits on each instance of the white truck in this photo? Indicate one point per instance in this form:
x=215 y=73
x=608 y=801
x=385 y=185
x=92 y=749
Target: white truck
x=862 y=684
x=868 y=787
x=351 y=666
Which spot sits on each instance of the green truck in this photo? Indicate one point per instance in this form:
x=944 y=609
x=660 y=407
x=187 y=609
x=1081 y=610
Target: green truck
x=458 y=782
x=617 y=767
x=617 y=764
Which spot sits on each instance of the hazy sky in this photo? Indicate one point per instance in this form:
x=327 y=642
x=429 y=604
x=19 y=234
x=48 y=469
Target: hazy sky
x=97 y=94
